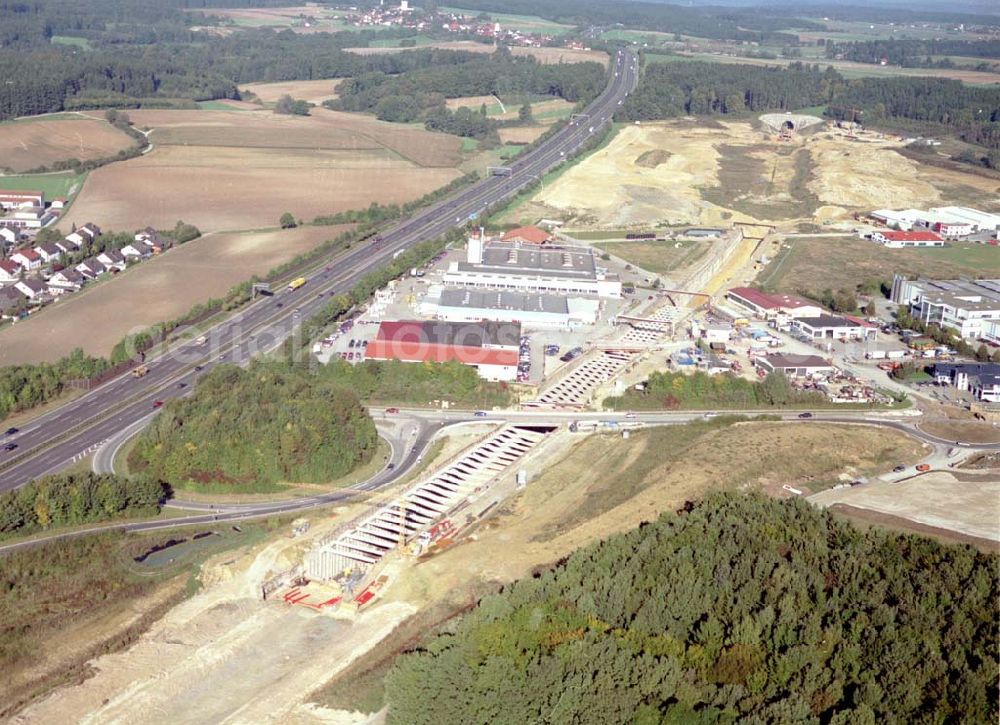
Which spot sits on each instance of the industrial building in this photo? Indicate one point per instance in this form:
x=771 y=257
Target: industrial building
x=967 y=307
x=490 y=347
x=773 y=306
x=530 y=310
x=949 y=221
x=794 y=365
x=833 y=327
x=900 y=239
x=554 y=270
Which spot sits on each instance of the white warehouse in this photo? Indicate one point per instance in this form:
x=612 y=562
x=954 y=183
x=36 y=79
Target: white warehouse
x=548 y=271
x=531 y=310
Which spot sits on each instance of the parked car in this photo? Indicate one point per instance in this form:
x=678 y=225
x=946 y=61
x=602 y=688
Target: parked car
x=898 y=469
x=392 y=410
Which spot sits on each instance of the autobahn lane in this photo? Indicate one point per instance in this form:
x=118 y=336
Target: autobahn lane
x=53 y=439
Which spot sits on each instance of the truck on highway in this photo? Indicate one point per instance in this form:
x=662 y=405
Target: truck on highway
x=296 y=283
x=140 y=371
x=201 y=340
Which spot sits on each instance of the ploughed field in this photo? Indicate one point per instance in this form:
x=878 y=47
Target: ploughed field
x=235 y=170
x=32 y=143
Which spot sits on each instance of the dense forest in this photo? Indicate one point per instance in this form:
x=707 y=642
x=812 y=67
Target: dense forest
x=404 y=96
x=669 y=391
x=669 y=90
x=740 y=608
x=264 y=424
x=77 y=498
x=25 y=386
x=393 y=381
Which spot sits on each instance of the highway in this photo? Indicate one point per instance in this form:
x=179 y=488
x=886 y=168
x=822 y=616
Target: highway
x=419 y=426
x=50 y=441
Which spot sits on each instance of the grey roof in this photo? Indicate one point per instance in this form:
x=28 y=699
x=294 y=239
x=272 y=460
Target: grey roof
x=827 y=321
x=967 y=368
x=10 y=297
x=989 y=380
x=952 y=292
x=796 y=361
x=517 y=260
x=469 y=334
x=503 y=300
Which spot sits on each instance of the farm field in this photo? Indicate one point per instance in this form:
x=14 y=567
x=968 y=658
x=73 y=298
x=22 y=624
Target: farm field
x=159 y=289
x=312 y=91
x=228 y=171
x=523 y=23
x=716 y=173
x=546 y=111
x=58 y=184
x=818 y=263
x=29 y=144
x=544 y=55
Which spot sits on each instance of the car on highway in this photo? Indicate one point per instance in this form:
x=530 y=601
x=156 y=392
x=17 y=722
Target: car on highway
x=10 y=431
x=805 y=415
x=391 y=410
x=630 y=415
x=480 y=414
x=10 y=446
x=182 y=384
x=157 y=403
x=391 y=467
x=199 y=368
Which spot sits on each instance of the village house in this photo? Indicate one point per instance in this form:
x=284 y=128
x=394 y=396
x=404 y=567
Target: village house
x=68 y=246
x=139 y=250
x=31 y=288
x=9 y=271
x=112 y=259
x=28 y=259
x=48 y=252
x=11 y=301
x=85 y=235
x=91 y=268
x=9 y=236
x=67 y=280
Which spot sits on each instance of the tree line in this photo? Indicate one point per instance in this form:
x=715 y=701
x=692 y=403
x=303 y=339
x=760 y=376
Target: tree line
x=739 y=608
x=263 y=424
x=670 y=90
x=71 y=499
x=913 y=52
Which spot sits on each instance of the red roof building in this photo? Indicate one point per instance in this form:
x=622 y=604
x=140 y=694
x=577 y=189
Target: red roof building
x=898 y=239
x=771 y=305
x=527 y=235
x=490 y=347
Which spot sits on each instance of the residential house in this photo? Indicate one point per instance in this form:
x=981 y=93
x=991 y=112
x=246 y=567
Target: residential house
x=48 y=252
x=151 y=237
x=11 y=301
x=58 y=203
x=67 y=280
x=139 y=250
x=85 y=235
x=68 y=246
x=985 y=387
x=9 y=271
x=9 y=236
x=91 y=268
x=29 y=259
x=31 y=288
x=981 y=379
x=112 y=259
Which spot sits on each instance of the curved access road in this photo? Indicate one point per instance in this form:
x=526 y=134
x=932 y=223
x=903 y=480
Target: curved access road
x=52 y=440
